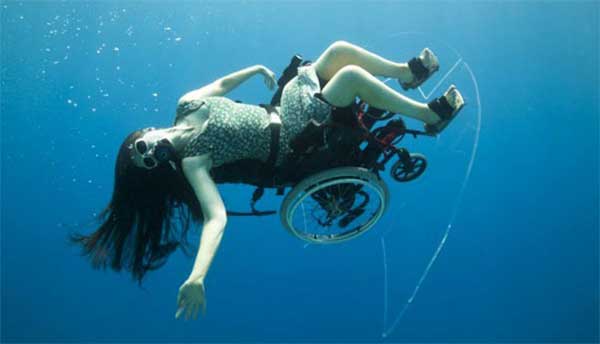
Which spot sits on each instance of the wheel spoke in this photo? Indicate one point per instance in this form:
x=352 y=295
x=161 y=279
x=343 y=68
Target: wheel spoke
x=337 y=209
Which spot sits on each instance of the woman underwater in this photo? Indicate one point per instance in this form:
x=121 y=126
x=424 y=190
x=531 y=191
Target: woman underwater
x=151 y=195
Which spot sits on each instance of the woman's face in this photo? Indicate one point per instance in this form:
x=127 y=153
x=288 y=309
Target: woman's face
x=143 y=148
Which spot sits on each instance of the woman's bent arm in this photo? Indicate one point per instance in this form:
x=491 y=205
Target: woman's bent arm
x=226 y=84
x=233 y=80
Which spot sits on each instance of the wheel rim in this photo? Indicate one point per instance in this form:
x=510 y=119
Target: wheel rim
x=315 y=218
x=402 y=173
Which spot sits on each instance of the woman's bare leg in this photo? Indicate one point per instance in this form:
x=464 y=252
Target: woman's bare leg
x=352 y=81
x=341 y=53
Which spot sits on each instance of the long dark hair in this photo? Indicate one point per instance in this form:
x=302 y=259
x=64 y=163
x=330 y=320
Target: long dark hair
x=138 y=227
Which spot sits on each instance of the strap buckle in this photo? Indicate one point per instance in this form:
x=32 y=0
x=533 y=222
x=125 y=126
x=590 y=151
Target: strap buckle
x=274 y=118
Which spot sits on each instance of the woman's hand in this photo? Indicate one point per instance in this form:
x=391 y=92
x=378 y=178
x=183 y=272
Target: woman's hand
x=270 y=80
x=191 y=297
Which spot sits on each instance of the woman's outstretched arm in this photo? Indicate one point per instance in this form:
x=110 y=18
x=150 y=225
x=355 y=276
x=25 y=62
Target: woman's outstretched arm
x=191 y=294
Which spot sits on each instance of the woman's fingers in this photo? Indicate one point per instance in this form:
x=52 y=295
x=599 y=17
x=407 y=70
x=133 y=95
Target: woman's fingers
x=269 y=82
x=270 y=79
x=188 y=312
x=190 y=300
x=179 y=311
x=181 y=305
x=273 y=80
x=196 y=310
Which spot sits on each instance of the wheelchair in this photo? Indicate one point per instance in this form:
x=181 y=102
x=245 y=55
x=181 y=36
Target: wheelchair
x=337 y=191
x=334 y=172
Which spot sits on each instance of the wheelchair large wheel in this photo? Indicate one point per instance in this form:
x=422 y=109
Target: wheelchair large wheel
x=334 y=205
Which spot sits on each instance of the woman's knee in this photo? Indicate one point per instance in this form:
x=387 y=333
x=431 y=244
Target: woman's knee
x=351 y=74
x=343 y=87
x=337 y=51
x=337 y=55
x=338 y=46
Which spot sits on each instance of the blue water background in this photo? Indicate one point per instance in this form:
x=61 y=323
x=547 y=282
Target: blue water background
x=521 y=262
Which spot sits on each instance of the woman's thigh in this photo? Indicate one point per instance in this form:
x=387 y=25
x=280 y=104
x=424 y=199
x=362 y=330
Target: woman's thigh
x=298 y=101
x=299 y=106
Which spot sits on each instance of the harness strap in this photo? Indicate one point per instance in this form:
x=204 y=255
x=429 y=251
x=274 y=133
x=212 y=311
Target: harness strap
x=275 y=125
x=256 y=195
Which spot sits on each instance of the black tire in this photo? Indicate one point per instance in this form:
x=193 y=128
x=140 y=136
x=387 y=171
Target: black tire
x=403 y=173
